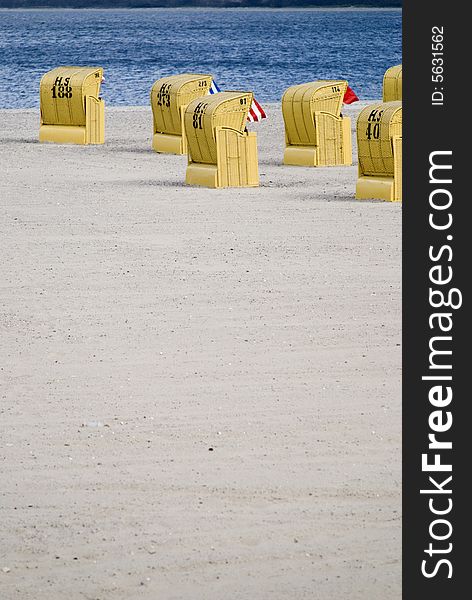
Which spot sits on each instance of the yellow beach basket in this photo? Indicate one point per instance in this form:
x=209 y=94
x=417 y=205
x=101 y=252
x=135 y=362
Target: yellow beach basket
x=71 y=110
x=316 y=134
x=379 y=143
x=392 y=84
x=222 y=153
x=170 y=96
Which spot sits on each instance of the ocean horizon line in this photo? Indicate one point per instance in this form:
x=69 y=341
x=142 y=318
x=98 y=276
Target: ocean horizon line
x=352 y=7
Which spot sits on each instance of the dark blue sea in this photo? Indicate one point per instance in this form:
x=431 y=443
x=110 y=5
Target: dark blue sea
x=261 y=50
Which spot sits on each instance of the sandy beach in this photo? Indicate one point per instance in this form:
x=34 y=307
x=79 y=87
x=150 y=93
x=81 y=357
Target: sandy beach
x=200 y=389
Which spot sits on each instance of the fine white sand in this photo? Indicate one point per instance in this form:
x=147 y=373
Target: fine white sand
x=200 y=389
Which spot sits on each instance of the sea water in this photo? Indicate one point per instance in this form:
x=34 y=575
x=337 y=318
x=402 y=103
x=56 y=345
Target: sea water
x=261 y=50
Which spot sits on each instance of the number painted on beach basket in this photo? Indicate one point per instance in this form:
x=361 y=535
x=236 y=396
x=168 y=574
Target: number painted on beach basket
x=197 y=120
x=61 y=88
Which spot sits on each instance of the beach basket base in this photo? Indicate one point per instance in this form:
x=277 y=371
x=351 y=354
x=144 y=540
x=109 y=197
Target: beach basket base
x=202 y=174
x=377 y=188
x=169 y=144
x=62 y=134
x=301 y=156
